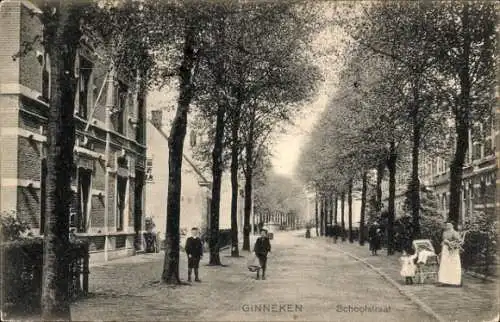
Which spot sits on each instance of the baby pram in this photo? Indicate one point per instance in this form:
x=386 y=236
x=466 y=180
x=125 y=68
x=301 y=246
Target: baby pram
x=427 y=261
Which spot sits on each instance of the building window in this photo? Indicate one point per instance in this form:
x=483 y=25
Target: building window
x=464 y=203
x=139 y=130
x=192 y=138
x=120 y=112
x=477 y=139
x=43 y=195
x=46 y=78
x=482 y=190
x=149 y=170
x=488 y=138
x=439 y=165
x=138 y=194
x=85 y=88
x=121 y=188
x=84 y=184
x=476 y=151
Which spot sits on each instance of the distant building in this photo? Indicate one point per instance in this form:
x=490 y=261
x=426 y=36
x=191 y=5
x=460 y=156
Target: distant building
x=110 y=150
x=356 y=209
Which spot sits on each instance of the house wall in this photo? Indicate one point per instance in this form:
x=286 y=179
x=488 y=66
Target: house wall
x=356 y=212
x=23 y=123
x=195 y=198
x=478 y=180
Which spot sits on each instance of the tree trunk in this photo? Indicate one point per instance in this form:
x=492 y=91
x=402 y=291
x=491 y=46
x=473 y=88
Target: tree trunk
x=336 y=205
x=248 y=186
x=462 y=124
x=415 y=182
x=349 y=204
x=218 y=148
x=363 y=209
x=247 y=209
x=456 y=170
x=380 y=177
x=170 y=273
x=316 y=213
x=342 y=213
x=331 y=209
x=235 y=125
x=322 y=216
x=217 y=169
x=391 y=165
x=63 y=36
x=325 y=214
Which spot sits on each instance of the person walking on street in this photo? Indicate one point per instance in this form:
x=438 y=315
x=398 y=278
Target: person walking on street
x=336 y=232
x=262 y=248
x=194 y=251
x=374 y=236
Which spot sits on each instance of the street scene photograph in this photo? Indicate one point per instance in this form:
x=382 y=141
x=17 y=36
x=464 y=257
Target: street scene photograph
x=249 y=160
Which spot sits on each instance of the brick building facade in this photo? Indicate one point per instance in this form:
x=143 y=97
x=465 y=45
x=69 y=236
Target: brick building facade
x=478 y=180
x=479 y=173
x=110 y=150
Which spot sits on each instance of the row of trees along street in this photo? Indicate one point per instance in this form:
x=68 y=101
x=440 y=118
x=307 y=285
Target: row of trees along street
x=242 y=67
x=416 y=78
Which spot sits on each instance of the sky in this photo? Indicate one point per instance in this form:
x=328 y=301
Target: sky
x=287 y=147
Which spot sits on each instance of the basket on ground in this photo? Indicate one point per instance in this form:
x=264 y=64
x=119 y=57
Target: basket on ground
x=253 y=268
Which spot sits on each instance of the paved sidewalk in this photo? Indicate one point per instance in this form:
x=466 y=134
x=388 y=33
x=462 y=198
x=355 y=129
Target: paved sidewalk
x=477 y=300
x=124 y=290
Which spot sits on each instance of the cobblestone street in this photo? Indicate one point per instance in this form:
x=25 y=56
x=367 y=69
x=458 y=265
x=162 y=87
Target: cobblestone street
x=316 y=282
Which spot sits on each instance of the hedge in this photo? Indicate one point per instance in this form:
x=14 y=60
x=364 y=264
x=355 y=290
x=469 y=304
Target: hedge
x=22 y=266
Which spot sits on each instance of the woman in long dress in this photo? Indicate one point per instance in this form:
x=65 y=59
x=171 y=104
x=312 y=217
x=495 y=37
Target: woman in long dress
x=450 y=269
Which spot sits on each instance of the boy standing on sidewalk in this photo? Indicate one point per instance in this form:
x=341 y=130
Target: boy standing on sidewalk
x=261 y=248
x=194 y=251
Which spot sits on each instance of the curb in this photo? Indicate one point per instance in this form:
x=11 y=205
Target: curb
x=406 y=293
x=479 y=276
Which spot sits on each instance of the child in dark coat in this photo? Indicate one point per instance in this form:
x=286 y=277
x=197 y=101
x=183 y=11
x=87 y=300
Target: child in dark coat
x=262 y=248
x=194 y=251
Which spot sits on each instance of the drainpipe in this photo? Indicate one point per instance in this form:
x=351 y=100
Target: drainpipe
x=108 y=109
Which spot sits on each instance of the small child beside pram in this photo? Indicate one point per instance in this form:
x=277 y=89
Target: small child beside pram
x=408 y=267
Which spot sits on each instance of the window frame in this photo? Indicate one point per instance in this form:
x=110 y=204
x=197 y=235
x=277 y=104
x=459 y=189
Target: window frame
x=46 y=90
x=122 y=98
x=85 y=97
x=84 y=201
x=120 y=204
